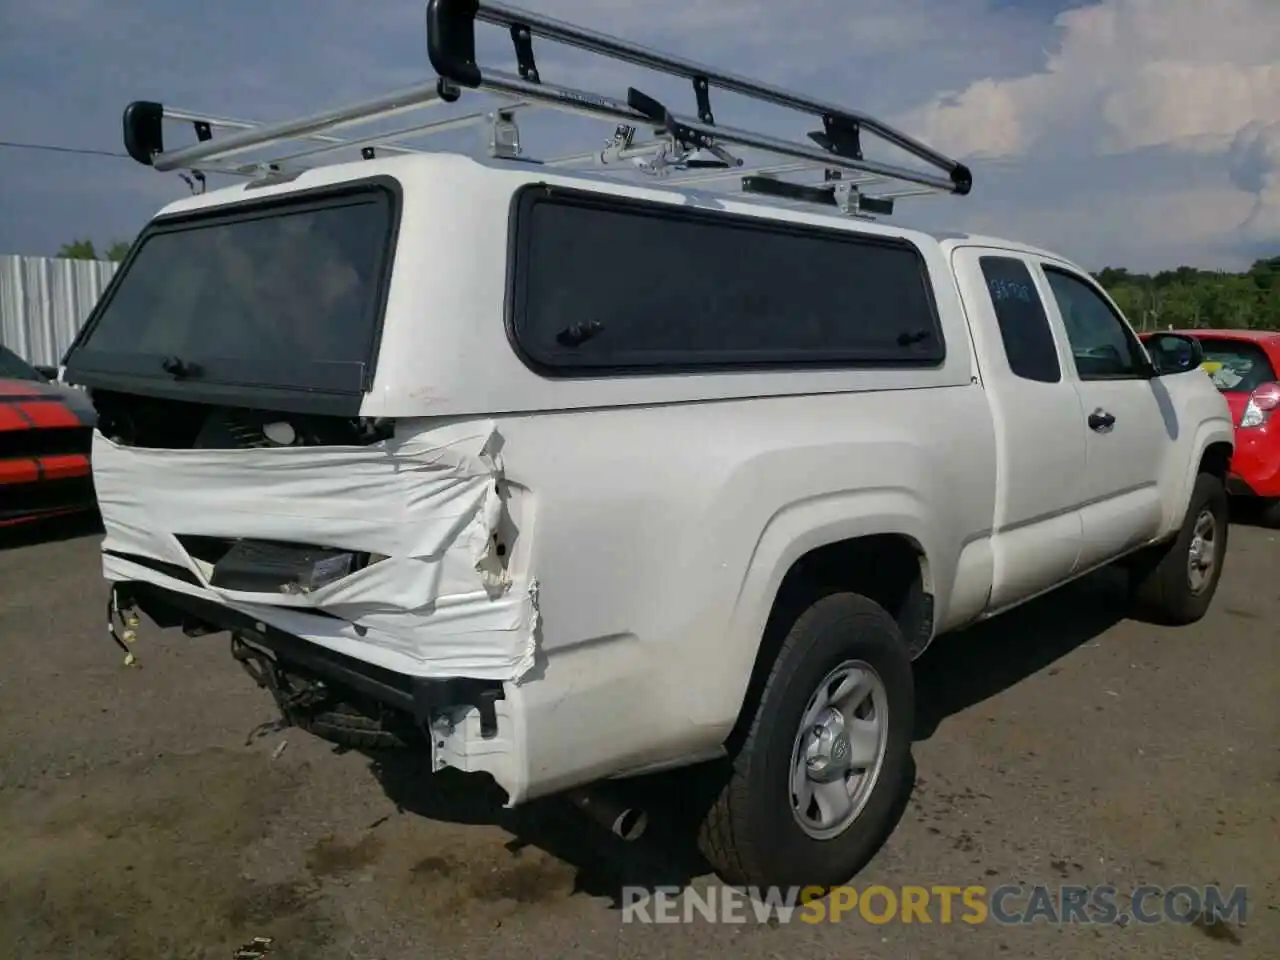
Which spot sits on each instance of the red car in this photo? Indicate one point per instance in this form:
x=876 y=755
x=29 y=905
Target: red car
x=1244 y=365
x=46 y=430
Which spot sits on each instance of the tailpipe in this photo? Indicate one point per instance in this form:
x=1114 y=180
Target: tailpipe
x=627 y=822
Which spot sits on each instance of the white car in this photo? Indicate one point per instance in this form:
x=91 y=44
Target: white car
x=565 y=477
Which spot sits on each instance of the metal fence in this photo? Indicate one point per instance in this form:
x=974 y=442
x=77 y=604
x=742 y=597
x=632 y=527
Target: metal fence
x=44 y=301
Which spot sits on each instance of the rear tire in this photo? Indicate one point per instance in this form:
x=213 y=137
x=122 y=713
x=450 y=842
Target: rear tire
x=753 y=834
x=1176 y=583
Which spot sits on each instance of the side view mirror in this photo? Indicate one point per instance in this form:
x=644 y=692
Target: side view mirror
x=1174 y=353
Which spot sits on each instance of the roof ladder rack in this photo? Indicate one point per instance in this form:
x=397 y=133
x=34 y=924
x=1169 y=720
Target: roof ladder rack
x=697 y=145
x=683 y=150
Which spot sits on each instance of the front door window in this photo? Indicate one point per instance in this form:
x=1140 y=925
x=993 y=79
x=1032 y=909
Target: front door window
x=1103 y=347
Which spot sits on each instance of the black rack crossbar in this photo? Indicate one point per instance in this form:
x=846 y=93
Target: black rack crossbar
x=451 y=47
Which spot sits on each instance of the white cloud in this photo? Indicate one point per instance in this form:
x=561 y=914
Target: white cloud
x=1175 y=223
x=1255 y=167
x=1198 y=106
x=1162 y=77
x=1127 y=74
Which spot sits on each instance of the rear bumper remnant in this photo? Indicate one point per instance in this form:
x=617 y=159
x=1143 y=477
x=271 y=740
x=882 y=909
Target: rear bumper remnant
x=434 y=599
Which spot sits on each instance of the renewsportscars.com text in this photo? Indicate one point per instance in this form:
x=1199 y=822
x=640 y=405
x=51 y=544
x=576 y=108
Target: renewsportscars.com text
x=940 y=904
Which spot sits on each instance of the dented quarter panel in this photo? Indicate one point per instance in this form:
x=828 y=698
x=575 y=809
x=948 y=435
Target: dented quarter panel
x=662 y=535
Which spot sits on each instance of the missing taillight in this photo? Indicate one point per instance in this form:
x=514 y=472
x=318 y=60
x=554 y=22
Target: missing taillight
x=255 y=566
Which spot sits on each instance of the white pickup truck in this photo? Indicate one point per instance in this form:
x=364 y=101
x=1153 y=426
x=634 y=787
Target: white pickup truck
x=565 y=478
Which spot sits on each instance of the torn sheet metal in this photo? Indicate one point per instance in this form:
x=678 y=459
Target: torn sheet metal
x=438 y=605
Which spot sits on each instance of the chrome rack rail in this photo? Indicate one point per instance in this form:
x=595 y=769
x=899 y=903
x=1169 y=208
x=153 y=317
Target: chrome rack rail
x=683 y=150
x=145 y=142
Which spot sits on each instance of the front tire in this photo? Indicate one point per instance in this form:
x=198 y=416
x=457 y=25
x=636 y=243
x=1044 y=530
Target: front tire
x=817 y=784
x=1176 y=584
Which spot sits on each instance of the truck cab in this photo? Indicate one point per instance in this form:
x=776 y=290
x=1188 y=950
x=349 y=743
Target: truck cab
x=1098 y=441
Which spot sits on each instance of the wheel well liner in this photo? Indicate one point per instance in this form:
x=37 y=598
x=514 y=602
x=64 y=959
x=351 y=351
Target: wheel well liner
x=888 y=568
x=1216 y=459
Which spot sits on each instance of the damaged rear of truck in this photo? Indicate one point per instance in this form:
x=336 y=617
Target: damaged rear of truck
x=362 y=563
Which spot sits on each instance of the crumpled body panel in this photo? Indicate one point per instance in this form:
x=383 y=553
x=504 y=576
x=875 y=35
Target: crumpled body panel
x=437 y=605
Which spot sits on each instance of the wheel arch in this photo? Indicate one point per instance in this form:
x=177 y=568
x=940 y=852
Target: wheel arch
x=1213 y=448
x=890 y=567
x=1216 y=457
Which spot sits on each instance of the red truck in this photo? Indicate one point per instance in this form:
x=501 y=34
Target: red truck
x=1243 y=364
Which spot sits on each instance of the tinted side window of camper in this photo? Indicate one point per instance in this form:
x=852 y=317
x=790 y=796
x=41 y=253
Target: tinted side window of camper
x=603 y=284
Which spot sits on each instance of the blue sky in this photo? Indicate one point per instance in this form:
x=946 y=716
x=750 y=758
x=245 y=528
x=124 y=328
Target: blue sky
x=1143 y=133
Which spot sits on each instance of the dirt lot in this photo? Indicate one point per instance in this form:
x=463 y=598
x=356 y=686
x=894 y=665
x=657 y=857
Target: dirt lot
x=1062 y=745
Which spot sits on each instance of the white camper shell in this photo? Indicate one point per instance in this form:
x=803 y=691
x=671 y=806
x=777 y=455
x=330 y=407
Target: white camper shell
x=567 y=476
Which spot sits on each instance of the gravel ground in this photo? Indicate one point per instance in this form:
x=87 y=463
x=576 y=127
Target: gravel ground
x=141 y=818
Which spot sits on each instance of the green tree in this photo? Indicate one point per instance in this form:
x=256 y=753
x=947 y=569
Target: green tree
x=78 y=250
x=85 y=250
x=1189 y=297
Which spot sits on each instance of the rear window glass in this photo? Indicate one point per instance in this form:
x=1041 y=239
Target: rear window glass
x=1236 y=366
x=287 y=297
x=608 y=284
x=1024 y=327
